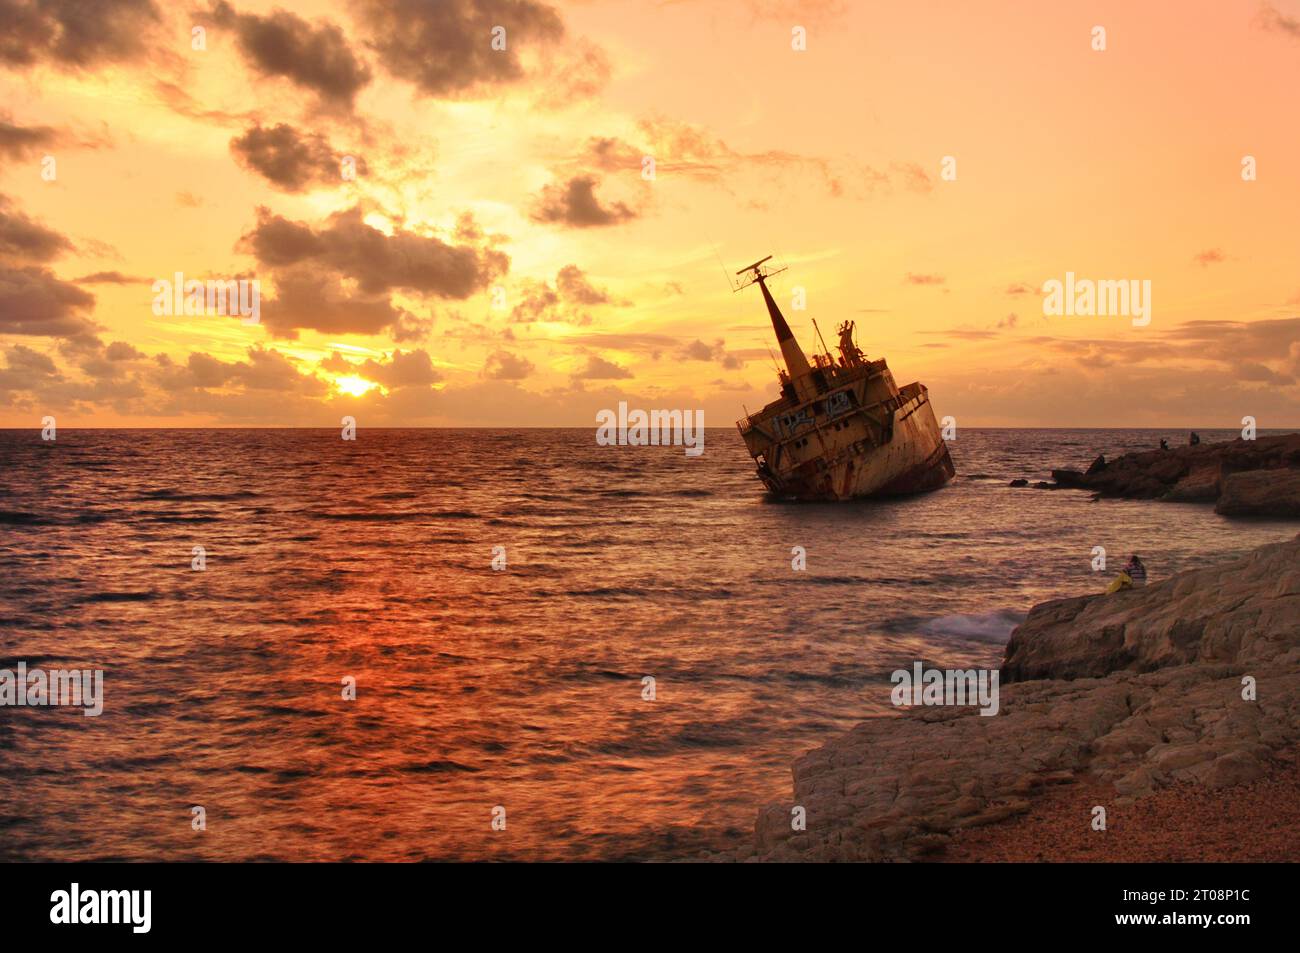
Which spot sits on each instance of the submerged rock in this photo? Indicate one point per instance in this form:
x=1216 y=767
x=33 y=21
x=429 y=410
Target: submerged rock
x=1138 y=689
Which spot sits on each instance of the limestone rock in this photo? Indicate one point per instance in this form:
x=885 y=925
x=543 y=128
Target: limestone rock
x=1261 y=493
x=1139 y=689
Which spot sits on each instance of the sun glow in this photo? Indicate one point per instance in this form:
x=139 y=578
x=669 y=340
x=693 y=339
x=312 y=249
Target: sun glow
x=354 y=386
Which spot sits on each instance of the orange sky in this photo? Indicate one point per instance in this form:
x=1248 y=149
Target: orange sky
x=499 y=259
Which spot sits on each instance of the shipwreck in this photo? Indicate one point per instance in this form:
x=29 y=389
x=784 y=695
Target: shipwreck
x=841 y=429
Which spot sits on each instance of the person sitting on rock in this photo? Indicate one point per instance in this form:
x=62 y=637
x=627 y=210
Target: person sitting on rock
x=1097 y=465
x=1194 y=439
x=1133 y=574
x=1164 y=444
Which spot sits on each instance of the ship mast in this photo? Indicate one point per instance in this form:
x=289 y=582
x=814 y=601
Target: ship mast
x=796 y=362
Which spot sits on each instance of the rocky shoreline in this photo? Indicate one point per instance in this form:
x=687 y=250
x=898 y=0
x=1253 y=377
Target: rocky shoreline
x=1258 y=477
x=1191 y=682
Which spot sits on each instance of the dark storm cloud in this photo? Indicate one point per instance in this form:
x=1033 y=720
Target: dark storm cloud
x=25 y=239
x=288 y=159
x=574 y=204
x=73 y=34
x=316 y=56
x=445 y=48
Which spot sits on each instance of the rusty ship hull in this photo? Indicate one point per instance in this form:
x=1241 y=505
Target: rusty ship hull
x=842 y=429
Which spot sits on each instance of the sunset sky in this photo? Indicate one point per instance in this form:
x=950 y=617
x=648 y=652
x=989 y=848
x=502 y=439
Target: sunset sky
x=500 y=260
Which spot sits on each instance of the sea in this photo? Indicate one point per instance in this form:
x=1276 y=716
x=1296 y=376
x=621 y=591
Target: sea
x=432 y=645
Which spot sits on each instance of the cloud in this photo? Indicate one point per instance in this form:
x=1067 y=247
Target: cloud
x=403 y=369
x=966 y=334
x=339 y=277
x=110 y=278
x=597 y=368
x=72 y=35
x=34 y=301
x=573 y=286
x=697 y=350
x=317 y=298
x=1273 y=20
x=580 y=76
x=504 y=366
x=562 y=304
x=1248 y=351
x=574 y=205
x=314 y=57
x=1211 y=256
x=915 y=279
x=121 y=351
x=377 y=261
x=804 y=12
x=1019 y=288
x=685 y=150
x=24 y=239
x=18 y=142
x=266 y=370
x=912 y=176
x=290 y=160
x=446 y=48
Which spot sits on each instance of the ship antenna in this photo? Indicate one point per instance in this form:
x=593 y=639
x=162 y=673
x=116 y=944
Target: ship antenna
x=820 y=338
x=759 y=273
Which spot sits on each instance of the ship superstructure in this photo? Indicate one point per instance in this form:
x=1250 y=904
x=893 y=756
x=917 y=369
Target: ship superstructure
x=842 y=428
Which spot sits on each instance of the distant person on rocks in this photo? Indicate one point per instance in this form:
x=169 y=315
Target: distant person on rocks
x=1164 y=444
x=1194 y=439
x=1133 y=574
x=1097 y=465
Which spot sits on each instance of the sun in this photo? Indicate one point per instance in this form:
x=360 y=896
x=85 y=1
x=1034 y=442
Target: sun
x=354 y=386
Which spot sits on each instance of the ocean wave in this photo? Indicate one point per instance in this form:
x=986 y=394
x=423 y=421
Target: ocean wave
x=173 y=496
x=12 y=518
x=120 y=597
x=993 y=626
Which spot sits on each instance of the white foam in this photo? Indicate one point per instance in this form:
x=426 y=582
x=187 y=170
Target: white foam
x=980 y=626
